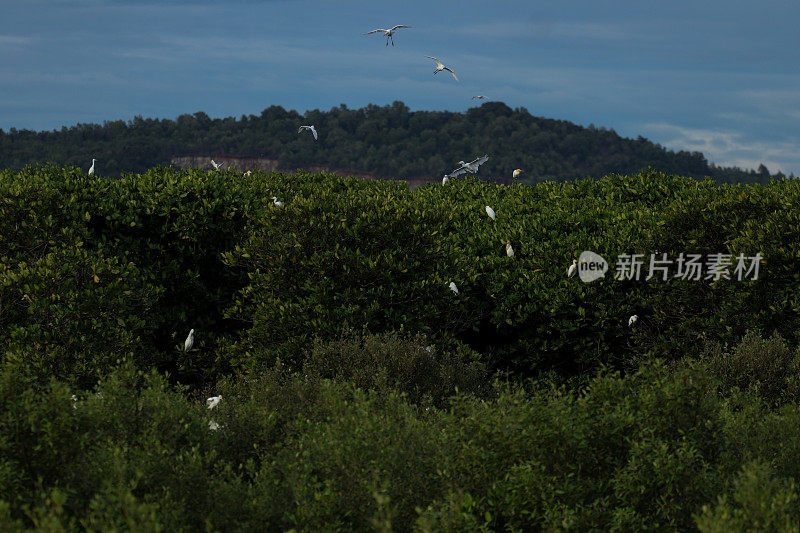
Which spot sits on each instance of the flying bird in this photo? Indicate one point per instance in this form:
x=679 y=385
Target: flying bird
x=187 y=345
x=213 y=401
x=472 y=166
x=490 y=212
x=309 y=128
x=478 y=96
x=276 y=202
x=440 y=67
x=573 y=269
x=509 y=249
x=388 y=33
x=453 y=287
x=91 y=168
x=217 y=166
x=516 y=173
x=632 y=320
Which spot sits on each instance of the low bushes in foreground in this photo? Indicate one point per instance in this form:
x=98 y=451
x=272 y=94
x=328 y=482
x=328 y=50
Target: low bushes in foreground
x=666 y=446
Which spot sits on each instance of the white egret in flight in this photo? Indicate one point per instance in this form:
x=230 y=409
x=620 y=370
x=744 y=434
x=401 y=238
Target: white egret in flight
x=632 y=320
x=91 y=168
x=440 y=67
x=453 y=287
x=387 y=33
x=276 y=202
x=187 y=345
x=472 y=166
x=309 y=128
x=213 y=401
x=478 y=96
x=490 y=212
x=509 y=249
x=573 y=269
x=217 y=166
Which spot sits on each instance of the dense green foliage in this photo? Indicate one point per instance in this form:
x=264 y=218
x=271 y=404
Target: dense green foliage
x=659 y=448
x=389 y=142
x=359 y=392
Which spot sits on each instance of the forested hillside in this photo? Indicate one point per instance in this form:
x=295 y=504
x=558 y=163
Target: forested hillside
x=388 y=142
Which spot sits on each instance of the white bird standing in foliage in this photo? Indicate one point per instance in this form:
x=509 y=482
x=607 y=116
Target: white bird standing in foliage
x=388 y=33
x=573 y=269
x=213 y=426
x=453 y=287
x=187 y=345
x=440 y=67
x=516 y=173
x=445 y=179
x=309 y=128
x=632 y=320
x=276 y=202
x=490 y=212
x=213 y=401
x=509 y=249
x=91 y=168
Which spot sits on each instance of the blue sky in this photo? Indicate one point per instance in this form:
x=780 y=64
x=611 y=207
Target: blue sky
x=721 y=77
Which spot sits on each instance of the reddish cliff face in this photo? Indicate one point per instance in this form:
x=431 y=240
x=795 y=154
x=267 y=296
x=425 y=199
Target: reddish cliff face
x=244 y=164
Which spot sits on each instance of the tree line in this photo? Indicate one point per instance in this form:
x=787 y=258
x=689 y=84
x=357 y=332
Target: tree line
x=388 y=141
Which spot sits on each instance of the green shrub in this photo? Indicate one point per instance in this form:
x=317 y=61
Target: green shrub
x=399 y=362
x=761 y=501
x=768 y=366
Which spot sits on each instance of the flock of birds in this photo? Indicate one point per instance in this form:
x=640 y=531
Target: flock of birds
x=463 y=168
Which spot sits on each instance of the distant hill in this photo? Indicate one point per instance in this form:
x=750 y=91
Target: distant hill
x=385 y=142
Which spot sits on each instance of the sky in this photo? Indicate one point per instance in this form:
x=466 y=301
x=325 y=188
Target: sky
x=721 y=77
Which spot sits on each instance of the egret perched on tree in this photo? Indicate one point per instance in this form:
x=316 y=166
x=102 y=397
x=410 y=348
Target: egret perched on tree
x=91 y=168
x=632 y=320
x=490 y=212
x=276 y=202
x=440 y=67
x=213 y=401
x=453 y=287
x=445 y=179
x=213 y=426
x=309 y=128
x=516 y=173
x=387 y=33
x=478 y=96
x=509 y=249
x=187 y=345
x=573 y=269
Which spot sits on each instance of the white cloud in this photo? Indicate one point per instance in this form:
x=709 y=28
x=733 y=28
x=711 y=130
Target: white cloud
x=14 y=40
x=519 y=29
x=729 y=148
